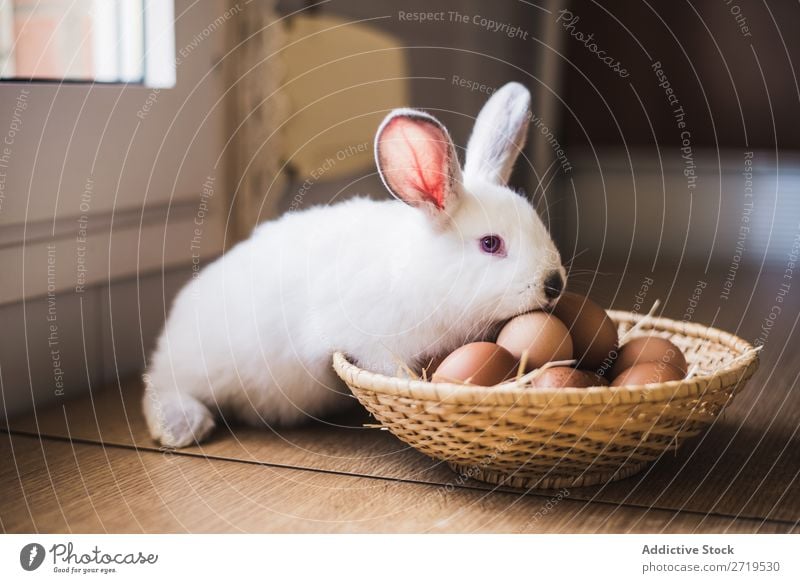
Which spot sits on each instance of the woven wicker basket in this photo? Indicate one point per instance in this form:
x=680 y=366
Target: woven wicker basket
x=554 y=438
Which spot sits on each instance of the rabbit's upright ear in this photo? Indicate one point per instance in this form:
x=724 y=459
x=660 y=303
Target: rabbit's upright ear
x=499 y=134
x=417 y=161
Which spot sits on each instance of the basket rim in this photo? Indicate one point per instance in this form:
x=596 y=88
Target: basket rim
x=734 y=373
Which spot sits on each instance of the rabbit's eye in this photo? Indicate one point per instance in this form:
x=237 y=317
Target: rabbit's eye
x=493 y=245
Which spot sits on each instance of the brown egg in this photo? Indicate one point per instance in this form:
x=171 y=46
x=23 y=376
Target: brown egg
x=543 y=336
x=594 y=335
x=646 y=373
x=648 y=349
x=598 y=380
x=565 y=376
x=478 y=363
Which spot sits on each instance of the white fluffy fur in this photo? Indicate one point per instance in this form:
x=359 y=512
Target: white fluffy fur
x=252 y=335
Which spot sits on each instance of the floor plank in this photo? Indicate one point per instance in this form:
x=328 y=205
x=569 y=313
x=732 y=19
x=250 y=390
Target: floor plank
x=747 y=465
x=343 y=444
x=61 y=487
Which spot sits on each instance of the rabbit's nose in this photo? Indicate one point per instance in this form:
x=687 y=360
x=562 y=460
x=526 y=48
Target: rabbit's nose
x=553 y=285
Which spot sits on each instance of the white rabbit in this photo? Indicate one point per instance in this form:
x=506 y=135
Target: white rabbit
x=385 y=282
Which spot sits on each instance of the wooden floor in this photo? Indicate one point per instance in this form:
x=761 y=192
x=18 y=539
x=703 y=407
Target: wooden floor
x=88 y=465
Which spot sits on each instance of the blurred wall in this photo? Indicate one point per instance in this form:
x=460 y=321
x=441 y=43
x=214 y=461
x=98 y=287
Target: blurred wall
x=688 y=159
x=458 y=53
x=104 y=188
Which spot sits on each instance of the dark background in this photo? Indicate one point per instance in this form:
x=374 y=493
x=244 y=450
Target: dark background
x=738 y=91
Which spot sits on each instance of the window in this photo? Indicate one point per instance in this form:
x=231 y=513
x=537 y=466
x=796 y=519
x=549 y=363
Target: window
x=106 y=41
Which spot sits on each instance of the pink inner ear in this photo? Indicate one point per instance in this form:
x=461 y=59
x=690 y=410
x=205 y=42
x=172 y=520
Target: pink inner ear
x=414 y=160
